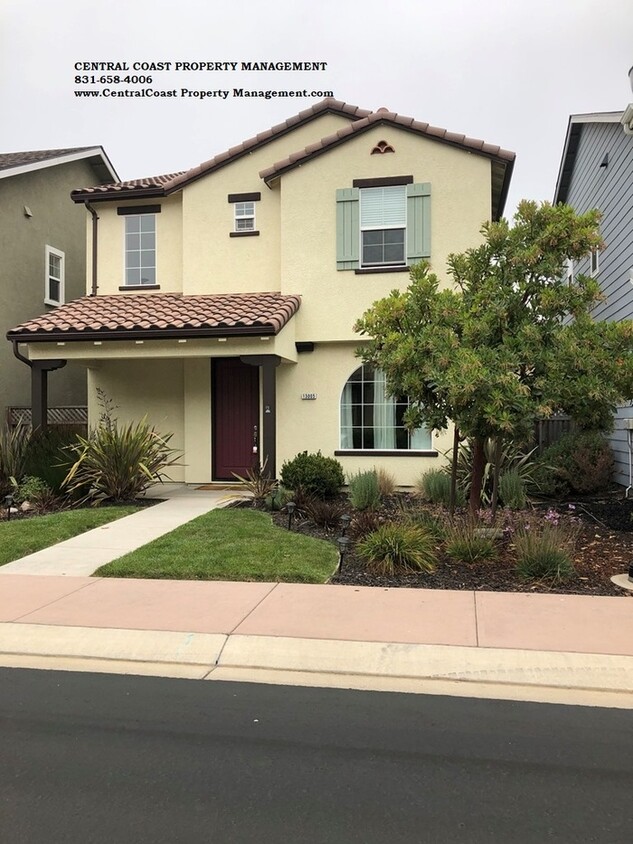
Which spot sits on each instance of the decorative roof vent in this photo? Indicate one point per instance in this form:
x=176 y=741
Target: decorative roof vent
x=381 y=148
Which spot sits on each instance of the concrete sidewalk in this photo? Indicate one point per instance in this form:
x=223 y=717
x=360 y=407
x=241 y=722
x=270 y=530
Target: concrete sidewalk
x=563 y=648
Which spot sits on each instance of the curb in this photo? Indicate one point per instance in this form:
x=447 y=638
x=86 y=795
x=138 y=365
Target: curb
x=592 y=679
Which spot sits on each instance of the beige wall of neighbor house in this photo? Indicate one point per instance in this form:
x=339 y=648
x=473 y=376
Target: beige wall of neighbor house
x=333 y=299
x=57 y=222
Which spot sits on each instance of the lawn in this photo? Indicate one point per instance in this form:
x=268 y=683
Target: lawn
x=20 y=537
x=232 y=544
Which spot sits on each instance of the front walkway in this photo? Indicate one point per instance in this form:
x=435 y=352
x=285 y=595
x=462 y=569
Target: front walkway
x=83 y=554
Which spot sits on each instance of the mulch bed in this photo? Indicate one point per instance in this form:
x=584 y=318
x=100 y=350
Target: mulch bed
x=604 y=547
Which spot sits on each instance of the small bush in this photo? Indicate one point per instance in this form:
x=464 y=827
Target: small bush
x=120 y=463
x=512 y=459
x=544 y=552
x=364 y=522
x=468 y=543
x=435 y=486
x=411 y=515
x=394 y=548
x=364 y=492
x=512 y=490
x=258 y=483
x=580 y=462
x=313 y=474
x=322 y=513
x=386 y=483
x=48 y=455
x=35 y=491
x=278 y=498
x=13 y=445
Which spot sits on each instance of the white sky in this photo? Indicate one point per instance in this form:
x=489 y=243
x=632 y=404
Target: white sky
x=509 y=72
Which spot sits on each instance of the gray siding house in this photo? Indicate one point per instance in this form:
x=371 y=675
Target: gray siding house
x=596 y=171
x=43 y=250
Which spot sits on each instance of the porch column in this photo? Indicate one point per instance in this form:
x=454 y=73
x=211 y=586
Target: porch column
x=39 y=390
x=268 y=365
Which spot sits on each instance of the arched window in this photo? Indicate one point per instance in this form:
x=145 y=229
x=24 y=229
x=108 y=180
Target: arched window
x=372 y=420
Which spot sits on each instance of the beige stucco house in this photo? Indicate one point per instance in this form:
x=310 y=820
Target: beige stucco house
x=43 y=249
x=222 y=300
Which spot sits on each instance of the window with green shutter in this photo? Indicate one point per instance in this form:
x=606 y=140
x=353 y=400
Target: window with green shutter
x=383 y=226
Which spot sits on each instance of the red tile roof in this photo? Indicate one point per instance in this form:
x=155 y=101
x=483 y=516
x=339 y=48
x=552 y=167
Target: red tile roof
x=163 y=185
x=383 y=116
x=159 y=315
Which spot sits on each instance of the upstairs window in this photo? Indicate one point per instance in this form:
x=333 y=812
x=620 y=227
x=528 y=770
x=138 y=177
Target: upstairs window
x=383 y=227
x=595 y=262
x=372 y=420
x=244 y=216
x=383 y=221
x=54 y=276
x=140 y=249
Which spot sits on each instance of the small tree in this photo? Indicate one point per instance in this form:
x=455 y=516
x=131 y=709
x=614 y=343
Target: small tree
x=513 y=341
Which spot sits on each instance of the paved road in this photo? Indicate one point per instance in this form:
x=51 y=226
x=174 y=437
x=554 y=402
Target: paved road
x=96 y=758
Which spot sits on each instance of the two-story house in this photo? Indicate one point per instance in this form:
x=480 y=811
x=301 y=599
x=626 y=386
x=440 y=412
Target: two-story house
x=596 y=171
x=43 y=249
x=223 y=298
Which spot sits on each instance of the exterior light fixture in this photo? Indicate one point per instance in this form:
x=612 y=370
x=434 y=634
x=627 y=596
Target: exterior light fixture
x=343 y=545
x=8 y=503
x=345 y=520
x=290 y=507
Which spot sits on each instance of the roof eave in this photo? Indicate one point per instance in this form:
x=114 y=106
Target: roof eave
x=142 y=334
x=105 y=165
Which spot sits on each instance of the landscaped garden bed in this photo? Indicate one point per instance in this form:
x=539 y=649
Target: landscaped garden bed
x=603 y=546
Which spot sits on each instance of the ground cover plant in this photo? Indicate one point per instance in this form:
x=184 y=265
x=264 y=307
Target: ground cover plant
x=230 y=544
x=22 y=536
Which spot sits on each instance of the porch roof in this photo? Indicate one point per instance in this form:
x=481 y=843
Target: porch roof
x=160 y=316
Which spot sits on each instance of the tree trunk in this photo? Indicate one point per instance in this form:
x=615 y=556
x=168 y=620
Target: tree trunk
x=479 y=465
x=495 y=477
x=454 y=471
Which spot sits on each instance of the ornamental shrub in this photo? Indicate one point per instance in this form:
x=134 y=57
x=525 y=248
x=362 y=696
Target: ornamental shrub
x=545 y=551
x=394 y=548
x=512 y=490
x=313 y=474
x=580 y=462
x=364 y=491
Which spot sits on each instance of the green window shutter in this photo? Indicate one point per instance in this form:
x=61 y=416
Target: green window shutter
x=418 y=222
x=347 y=228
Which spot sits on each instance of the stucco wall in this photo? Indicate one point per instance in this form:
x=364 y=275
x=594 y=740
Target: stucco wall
x=56 y=221
x=152 y=389
x=314 y=424
x=332 y=299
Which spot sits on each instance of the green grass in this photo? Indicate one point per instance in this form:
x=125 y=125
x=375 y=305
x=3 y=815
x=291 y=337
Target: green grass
x=20 y=537
x=231 y=544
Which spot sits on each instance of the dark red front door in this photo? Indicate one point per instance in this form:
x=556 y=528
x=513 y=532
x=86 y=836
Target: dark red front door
x=235 y=390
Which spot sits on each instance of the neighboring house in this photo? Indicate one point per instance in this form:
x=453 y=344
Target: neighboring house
x=225 y=296
x=596 y=171
x=43 y=248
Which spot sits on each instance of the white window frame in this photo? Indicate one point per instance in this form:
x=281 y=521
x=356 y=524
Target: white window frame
x=242 y=214
x=48 y=299
x=346 y=441
x=569 y=271
x=384 y=227
x=140 y=284
x=594 y=262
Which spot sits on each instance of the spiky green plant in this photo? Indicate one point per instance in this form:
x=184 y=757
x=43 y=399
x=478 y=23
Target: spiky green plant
x=394 y=548
x=466 y=542
x=512 y=459
x=364 y=492
x=258 y=482
x=120 y=463
x=13 y=449
x=544 y=552
x=512 y=490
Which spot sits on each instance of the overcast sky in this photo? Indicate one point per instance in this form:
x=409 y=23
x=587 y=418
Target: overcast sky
x=508 y=71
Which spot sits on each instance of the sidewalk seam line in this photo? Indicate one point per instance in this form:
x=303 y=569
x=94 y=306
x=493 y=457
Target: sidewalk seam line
x=251 y=611
x=476 y=619
x=50 y=603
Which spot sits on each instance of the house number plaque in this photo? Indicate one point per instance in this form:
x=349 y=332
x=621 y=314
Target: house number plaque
x=308 y=396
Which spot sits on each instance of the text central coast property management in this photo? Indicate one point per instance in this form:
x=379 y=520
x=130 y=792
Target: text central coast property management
x=116 y=67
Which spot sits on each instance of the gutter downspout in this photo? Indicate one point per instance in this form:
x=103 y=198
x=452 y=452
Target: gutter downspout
x=95 y=219
x=19 y=355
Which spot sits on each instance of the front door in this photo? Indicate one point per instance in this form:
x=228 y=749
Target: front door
x=235 y=396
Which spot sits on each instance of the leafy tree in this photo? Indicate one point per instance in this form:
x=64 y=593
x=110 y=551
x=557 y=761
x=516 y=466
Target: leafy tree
x=511 y=342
